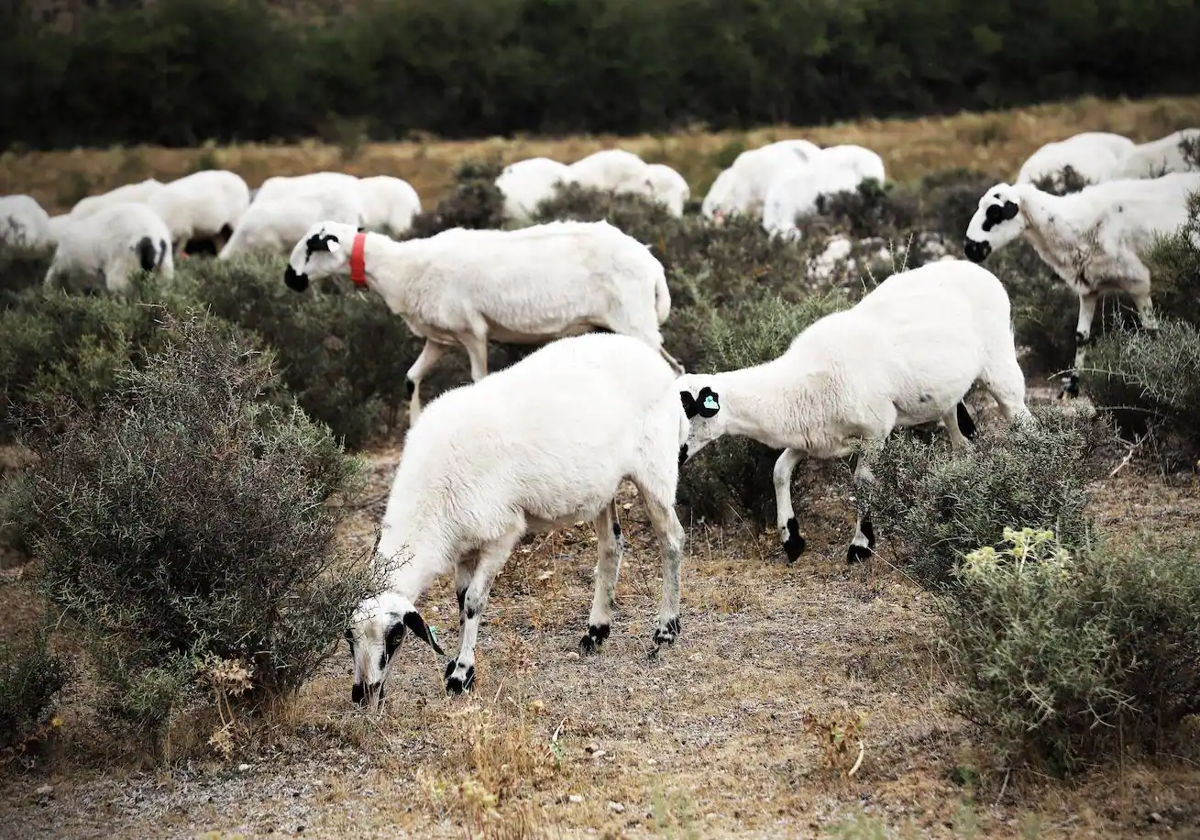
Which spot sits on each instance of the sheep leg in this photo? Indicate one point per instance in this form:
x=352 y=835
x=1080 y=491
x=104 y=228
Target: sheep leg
x=464 y=570
x=958 y=440
x=1083 y=337
x=671 y=537
x=460 y=671
x=476 y=345
x=785 y=517
x=609 y=545
x=862 y=545
x=1145 y=310
x=430 y=353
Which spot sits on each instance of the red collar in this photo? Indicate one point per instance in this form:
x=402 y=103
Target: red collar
x=358 y=261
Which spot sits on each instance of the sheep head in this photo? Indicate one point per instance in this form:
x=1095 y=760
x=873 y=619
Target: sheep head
x=997 y=222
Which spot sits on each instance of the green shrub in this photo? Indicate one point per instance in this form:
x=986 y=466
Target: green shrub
x=21 y=268
x=732 y=477
x=475 y=202
x=187 y=524
x=1064 y=182
x=31 y=678
x=933 y=505
x=645 y=220
x=1074 y=655
x=1150 y=383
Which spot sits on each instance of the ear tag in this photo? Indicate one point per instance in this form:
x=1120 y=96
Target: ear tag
x=710 y=403
x=334 y=246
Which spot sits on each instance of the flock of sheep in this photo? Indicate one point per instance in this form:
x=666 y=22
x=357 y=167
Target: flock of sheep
x=547 y=441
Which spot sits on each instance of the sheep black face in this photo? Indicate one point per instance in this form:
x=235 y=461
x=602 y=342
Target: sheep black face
x=997 y=222
x=374 y=638
x=702 y=408
x=323 y=251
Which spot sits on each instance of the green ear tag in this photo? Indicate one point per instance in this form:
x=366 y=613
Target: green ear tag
x=710 y=403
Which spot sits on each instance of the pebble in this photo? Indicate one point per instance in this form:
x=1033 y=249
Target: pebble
x=575 y=798
x=242 y=768
x=45 y=790
x=616 y=807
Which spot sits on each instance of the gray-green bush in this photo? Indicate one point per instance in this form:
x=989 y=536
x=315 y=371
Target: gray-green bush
x=187 y=522
x=1070 y=656
x=31 y=678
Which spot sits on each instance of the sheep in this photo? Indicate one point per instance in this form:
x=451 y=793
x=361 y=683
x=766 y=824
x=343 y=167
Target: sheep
x=667 y=187
x=1093 y=239
x=139 y=192
x=523 y=286
x=537 y=446
x=527 y=183
x=1161 y=157
x=906 y=354
x=389 y=203
x=58 y=225
x=24 y=222
x=205 y=205
x=109 y=245
x=275 y=225
x=280 y=186
x=1094 y=155
x=796 y=193
x=613 y=170
x=752 y=173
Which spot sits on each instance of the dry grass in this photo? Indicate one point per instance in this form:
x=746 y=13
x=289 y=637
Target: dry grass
x=996 y=143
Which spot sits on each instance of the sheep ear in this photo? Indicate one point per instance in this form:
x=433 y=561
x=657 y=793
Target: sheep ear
x=1009 y=211
x=414 y=622
x=709 y=404
x=333 y=246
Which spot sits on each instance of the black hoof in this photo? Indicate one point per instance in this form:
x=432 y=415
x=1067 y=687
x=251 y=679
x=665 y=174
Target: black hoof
x=1070 y=387
x=857 y=553
x=793 y=546
x=596 y=635
x=454 y=685
x=667 y=635
x=409 y=387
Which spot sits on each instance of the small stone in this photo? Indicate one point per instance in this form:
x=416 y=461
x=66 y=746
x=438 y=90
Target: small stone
x=575 y=798
x=538 y=707
x=616 y=807
x=45 y=790
x=599 y=753
x=591 y=748
x=1155 y=817
x=242 y=768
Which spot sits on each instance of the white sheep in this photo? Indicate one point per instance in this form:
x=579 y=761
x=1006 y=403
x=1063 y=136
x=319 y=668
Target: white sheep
x=1094 y=155
x=611 y=170
x=389 y=203
x=537 y=446
x=59 y=224
x=274 y=225
x=107 y=246
x=1159 y=157
x=527 y=183
x=139 y=192
x=906 y=354
x=24 y=222
x=667 y=187
x=524 y=286
x=204 y=205
x=744 y=189
x=796 y=193
x=1093 y=239
x=280 y=186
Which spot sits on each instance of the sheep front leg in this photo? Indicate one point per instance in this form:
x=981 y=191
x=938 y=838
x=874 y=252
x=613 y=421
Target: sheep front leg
x=1083 y=337
x=460 y=671
x=671 y=537
x=609 y=546
x=477 y=347
x=862 y=545
x=1145 y=310
x=430 y=353
x=785 y=517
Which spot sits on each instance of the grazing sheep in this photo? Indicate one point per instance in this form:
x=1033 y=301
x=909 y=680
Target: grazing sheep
x=107 y=246
x=537 y=446
x=610 y=170
x=752 y=173
x=527 y=183
x=906 y=354
x=796 y=193
x=1093 y=239
x=389 y=203
x=281 y=186
x=24 y=222
x=58 y=224
x=142 y=192
x=205 y=205
x=1160 y=157
x=1094 y=155
x=523 y=286
x=275 y=225
x=667 y=187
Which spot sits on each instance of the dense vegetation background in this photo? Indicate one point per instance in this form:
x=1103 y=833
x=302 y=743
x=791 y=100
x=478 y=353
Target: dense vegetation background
x=186 y=71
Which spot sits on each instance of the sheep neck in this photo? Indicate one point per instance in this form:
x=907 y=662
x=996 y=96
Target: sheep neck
x=772 y=402
x=403 y=270
x=412 y=553
x=1050 y=232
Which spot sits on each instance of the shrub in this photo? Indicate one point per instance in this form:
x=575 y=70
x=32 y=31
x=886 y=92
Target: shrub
x=935 y=505
x=874 y=209
x=187 y=523
x=1073 y=655
x=475 y=202
x=1064 y=182
x=1150 y=383
x=21 y=267
x=732 y=477
x=31 y=678
x=637 y=215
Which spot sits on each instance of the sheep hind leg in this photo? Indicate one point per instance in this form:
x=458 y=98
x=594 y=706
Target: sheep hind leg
x=959 y=426
x=609 y=546
x=862 y=545
x=460 y=671
x=671 y=536
x=785 y=516
x=1083 y=337
x=430 y=353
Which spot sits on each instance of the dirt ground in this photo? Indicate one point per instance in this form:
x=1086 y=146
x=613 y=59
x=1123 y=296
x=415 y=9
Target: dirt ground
x=723 y=735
